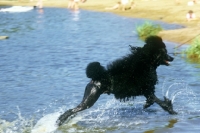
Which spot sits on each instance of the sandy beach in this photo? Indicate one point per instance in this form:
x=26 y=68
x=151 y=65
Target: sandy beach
x=164 y=10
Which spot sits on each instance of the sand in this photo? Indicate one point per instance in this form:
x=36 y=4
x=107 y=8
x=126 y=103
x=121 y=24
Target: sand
x=164 y=10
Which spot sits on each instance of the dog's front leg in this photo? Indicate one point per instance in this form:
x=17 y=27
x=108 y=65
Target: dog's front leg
x=91 y=95
x=165 y=105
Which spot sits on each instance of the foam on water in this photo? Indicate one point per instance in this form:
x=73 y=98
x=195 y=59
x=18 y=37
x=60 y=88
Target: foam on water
x=46 y=124
x=15 y=9
x=111 y=115
x=181 y=95
x=19 y=125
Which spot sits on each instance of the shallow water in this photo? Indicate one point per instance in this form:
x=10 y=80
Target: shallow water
x=42 y=71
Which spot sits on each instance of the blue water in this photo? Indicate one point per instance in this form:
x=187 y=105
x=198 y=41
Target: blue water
x=42 y=70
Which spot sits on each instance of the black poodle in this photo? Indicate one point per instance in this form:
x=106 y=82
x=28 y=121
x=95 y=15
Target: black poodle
x=128 y=77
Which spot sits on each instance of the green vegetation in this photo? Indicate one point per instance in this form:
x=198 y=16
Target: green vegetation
x=193 y=52
x=147 y=29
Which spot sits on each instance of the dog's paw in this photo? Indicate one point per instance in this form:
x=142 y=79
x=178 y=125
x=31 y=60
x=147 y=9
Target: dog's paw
x=168 y=106
x=58 y=122
x=64 y=117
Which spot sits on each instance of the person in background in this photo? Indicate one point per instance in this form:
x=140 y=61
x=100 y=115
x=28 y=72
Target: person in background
x=133 y=4
x=190 y=15
x=124 y=4
x=117 y=6
x=70 y=4
x=39 y=4
x=76 y=4
x=195 y=1
x=177 y=2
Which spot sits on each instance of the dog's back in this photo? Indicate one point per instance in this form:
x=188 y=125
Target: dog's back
x=134 y=74
x=126 y=77
x=130 y=76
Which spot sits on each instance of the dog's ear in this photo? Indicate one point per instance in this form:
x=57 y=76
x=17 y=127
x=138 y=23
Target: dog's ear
x=134 y=49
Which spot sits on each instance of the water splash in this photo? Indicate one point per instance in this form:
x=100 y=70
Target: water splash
x=173 y=88
x=23 y=124
x=20 y=125
x=46 y=124
x=180 y=93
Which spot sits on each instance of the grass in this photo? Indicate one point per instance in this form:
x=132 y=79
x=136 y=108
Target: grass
x=147 y=29
x=193 y=52
x=163 y=10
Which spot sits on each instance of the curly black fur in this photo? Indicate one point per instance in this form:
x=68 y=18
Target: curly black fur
x=134 y=74
x=95 y=71
x=127 y=77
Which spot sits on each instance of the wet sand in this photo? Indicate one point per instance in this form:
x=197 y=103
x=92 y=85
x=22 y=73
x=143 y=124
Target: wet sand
x=164 y=10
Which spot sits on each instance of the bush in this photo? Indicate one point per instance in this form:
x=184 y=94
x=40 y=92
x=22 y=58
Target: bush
x=147 y=29
x=193 y=52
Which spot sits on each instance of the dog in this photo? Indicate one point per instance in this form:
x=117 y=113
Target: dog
x=127 y=77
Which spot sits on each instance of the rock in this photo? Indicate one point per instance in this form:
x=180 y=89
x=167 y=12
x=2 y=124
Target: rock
x=3 y=37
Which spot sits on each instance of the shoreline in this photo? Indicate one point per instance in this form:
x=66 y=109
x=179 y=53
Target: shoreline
x=167 y=11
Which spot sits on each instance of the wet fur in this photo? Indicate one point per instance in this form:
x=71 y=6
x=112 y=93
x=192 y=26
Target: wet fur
x=132 y=75
x=127 y=77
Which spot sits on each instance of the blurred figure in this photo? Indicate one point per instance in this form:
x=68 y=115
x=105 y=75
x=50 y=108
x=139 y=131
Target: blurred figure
x=133 y=4
x=83 y=1
x=39 y=4
x=190 y=15
x=190 y=3
x=117 y=6
x=40 y=11
x=71 y=4
x=195 y=1
x=124 y=3
x=76 y=4
x=177 y=2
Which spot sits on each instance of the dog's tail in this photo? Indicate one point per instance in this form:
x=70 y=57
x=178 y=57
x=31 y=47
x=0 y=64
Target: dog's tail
x=95 y=71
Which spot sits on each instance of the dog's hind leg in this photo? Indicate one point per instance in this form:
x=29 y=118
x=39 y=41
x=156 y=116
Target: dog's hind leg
x=91 y=95
x=150 y=101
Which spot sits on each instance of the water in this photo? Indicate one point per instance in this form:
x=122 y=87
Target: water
x=42 y=71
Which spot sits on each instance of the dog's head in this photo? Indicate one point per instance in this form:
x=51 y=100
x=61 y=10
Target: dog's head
x=165 y=58
x=159 y=51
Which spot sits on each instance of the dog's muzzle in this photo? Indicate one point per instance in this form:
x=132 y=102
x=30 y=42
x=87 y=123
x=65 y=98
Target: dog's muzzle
x=167 y=60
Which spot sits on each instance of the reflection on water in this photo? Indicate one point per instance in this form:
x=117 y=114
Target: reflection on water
x=75 y=15
x=43 y=71
x=171 y=123
x=40 y=10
